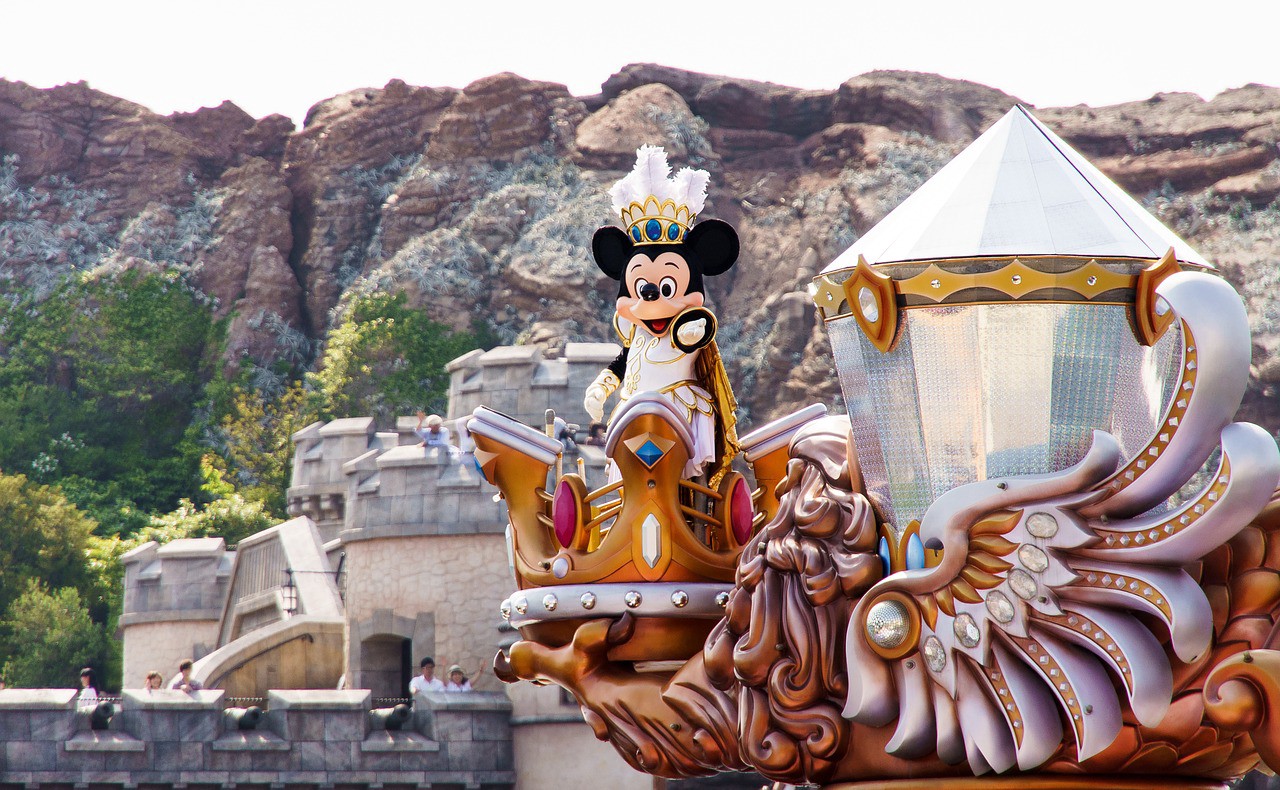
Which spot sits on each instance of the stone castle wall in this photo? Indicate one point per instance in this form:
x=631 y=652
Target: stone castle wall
x=415 y=541
x=161 y=646
x=458 y=580
x=173 y=601
x=519 y=382
x=306 y=739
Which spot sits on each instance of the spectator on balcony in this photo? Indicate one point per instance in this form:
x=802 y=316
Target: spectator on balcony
x=427 y=681
x=154 y=681
x=87 y=699
x=184 y=681
x=435 y=434
x=457 y=681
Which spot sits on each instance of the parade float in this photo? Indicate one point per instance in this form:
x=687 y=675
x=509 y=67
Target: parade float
x=1036 y=551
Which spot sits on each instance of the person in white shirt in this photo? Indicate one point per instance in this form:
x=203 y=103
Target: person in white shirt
x=457 y=681
x=427 y=681
x=87 y=699
x=184 y=681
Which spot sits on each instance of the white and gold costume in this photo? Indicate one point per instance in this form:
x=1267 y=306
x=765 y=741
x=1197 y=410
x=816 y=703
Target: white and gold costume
x=656 y=364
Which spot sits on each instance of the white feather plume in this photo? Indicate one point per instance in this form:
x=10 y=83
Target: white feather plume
x=652 y=176
x=691 y=188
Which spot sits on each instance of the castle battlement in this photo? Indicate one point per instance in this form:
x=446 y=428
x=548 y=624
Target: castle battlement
x=303 y=739
x=519 y=382
x=173 y=602
x=395 y=551
x=318 y=483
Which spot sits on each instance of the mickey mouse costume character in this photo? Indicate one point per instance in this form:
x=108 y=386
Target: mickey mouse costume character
x=668 y=335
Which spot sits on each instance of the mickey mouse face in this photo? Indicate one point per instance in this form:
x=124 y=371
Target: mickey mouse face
x=657 y=290
x=658 y=281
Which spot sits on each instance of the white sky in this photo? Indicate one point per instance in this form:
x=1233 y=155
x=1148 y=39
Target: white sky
x=282 y=56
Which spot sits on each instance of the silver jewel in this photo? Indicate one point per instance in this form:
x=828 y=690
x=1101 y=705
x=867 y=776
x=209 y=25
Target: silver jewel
x=1022 y=584
x=999 y=606
x=888 y=623
x=967 y=630
x=867 y=303
x=1033 y=558
x=935 y=655
x=1042 y=525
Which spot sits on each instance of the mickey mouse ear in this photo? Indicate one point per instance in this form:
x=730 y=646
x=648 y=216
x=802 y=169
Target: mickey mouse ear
x=611 y=249
x=716 y=245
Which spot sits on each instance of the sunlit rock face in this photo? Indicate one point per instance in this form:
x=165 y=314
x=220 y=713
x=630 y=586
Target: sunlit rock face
x=412 y=188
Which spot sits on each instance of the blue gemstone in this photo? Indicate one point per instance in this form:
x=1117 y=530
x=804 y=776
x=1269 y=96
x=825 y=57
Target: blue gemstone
x=635 y=233
x=884 y=554
x=915 y=553
x=653 y=229
x=650 y=453
x=673 y=231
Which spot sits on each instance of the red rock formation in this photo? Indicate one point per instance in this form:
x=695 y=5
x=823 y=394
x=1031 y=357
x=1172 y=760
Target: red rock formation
x=486 y=196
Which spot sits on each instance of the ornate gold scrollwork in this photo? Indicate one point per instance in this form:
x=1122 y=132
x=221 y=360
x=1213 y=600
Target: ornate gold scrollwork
x=1148 y=318
x=873 y=297
x=1242 y=694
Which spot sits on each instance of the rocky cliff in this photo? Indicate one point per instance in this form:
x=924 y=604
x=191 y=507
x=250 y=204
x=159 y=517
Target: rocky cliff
x=480 y=202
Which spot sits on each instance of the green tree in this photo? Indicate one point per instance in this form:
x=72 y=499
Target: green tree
x=256 y=441
x=51 y=637
x=387 y=358
x=232 y=518
x=45 y=538
x=99 y=382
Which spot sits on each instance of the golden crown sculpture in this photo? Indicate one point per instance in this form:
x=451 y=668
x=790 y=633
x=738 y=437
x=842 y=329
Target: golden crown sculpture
x=657 y=222
x=656 y=209
x=662 y=548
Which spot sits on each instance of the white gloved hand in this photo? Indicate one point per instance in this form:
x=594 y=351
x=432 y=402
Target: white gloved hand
x=692 y=332
x=598 y=392
x=594 y=402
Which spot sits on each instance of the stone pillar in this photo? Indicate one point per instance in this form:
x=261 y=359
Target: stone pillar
x=173 y=599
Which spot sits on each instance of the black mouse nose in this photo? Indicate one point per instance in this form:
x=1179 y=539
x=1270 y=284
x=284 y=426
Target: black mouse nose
x=649 y=292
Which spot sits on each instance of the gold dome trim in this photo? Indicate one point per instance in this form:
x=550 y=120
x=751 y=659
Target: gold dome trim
x=992 y=281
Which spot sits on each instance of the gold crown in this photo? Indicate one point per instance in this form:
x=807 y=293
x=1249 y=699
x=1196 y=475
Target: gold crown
x=657 y=222
x=653 y=544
